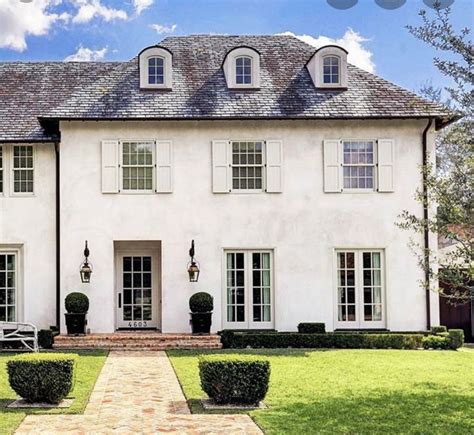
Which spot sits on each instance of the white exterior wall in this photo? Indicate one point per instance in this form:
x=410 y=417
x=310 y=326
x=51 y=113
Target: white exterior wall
x=302 y=224
x=28 y=223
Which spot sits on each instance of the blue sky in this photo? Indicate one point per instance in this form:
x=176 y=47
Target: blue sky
x=119 y=29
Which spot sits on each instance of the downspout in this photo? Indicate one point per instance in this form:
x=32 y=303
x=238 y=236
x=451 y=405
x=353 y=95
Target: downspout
x=58 y=241
x=426 y=231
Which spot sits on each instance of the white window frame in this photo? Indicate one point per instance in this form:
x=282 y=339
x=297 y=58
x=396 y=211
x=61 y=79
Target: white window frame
x=249 y=323
x=360 y=323
x=9 y=250
x=374 y=165
x=121 y=166
x=13 y=169
x=263 y=166
x=148 y=72
x=243 y=74
x=338 y=83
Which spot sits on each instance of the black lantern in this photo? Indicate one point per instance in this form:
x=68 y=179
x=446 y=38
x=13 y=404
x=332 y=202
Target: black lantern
x=86 y=267
x=193 y=265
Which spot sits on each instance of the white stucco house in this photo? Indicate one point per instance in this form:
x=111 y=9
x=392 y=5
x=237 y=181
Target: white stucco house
x=286 y=165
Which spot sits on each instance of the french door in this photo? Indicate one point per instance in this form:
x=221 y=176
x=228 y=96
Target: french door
x=8 y=286
x=248 y=298
x=137 y=290
x=360 y=295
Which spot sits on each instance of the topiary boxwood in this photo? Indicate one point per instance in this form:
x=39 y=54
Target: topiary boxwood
x=455 y=338
x=312 y=328
x=77 y=303
x=201 y=302
x=435 y=342
x=438 y=329
x=42 y=377
x=234 y=380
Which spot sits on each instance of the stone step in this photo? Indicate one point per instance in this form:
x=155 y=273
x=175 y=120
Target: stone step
x=138 y=341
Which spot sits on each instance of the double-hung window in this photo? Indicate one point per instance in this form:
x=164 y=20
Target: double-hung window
x=23 y=168
x=247 y=165
x=359 y=158
x=156 y=71
x=360 y=289
x=138 y=163
x=8 y=287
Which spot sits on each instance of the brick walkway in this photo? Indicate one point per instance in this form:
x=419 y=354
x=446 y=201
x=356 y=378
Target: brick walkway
x=138 y=392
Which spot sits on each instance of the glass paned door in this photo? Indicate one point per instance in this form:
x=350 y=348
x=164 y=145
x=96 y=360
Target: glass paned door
x=360 y=289
x=249 y=290
x=136 y=293
x=8 y=287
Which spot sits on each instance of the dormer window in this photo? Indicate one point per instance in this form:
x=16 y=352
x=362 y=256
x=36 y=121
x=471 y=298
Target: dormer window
x=242 y=68
x=156 y=70
x=328 y=67
x=331 y=70
x=156 y=64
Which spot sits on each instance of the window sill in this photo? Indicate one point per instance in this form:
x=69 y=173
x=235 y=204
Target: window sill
x=359 y=191
x=244 y=191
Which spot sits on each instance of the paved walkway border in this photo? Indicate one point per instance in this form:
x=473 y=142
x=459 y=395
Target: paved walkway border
x=138 y=392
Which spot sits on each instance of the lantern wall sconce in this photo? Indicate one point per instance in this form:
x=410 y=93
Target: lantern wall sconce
x=86 y=267
x=193 y=265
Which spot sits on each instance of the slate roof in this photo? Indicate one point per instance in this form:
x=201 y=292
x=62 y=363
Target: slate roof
x=54 y=91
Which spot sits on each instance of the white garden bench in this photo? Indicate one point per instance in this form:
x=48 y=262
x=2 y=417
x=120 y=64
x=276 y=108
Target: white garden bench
x=25 y=333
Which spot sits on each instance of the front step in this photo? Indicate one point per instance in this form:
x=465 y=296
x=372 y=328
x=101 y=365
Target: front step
x=137 y=341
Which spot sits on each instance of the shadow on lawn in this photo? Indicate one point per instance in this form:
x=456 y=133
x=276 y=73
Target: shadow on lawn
x=439 y=411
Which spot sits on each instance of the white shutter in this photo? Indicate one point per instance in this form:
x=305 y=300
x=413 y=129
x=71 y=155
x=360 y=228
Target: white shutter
x=386 y=152
x=110 y=166
x=332 y=166
x=221 y=174
x=164 y=166
x=274 y=166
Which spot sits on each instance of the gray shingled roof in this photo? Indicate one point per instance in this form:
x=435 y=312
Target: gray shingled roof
x=111 y=90
x=28 y=90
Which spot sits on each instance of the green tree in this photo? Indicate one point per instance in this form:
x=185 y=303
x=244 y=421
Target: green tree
x=449 y=189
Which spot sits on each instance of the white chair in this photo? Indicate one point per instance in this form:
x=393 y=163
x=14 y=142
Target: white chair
x=25 y=333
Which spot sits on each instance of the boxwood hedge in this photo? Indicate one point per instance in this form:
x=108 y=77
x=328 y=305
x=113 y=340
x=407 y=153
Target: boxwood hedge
x=240 y=340
x=312 y=328
x=234 y=379
x=42 y=377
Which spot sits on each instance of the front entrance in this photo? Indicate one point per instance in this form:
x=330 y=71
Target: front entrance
x=137 y=289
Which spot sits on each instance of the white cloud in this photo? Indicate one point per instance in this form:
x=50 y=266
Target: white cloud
x=84 y=54
x=141 y=5
x=161 y=28
x=18 y=20
x=88 y=9
x=352 y=41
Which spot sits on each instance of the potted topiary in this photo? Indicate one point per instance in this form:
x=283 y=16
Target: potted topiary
x=201 y=305
x=77 y=305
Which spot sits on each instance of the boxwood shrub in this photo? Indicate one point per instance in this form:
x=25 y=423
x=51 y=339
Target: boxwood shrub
x=234 y=379
x=42 y=377
x=435 y=342
x=312 y=328
x=240 y=340
x=45 y=338
x=455 y=338
x=438 y=329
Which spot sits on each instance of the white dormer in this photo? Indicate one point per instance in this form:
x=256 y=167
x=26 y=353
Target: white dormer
x=242 y=68
x=328 y=67
x=156 y=68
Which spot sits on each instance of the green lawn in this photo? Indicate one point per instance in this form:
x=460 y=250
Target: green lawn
x=356 y=391
x=88 y=368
